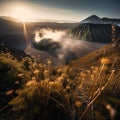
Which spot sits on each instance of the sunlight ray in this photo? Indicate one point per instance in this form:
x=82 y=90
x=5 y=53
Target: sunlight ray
x=25 y=31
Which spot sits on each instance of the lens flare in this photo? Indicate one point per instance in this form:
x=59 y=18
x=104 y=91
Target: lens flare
x=25 y=32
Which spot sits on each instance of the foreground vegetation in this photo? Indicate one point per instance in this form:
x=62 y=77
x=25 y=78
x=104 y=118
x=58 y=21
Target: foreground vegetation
x=40 y=91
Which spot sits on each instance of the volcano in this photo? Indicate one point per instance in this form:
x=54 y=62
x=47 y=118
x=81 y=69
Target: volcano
x=101 y=33
x=92 y=19
x=97 y=20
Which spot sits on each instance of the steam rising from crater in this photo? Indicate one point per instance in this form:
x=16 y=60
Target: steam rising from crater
x=70 y=48
x=56 y=35
x=37 y=37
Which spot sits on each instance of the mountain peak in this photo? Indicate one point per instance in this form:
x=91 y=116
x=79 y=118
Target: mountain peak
x=92 y=19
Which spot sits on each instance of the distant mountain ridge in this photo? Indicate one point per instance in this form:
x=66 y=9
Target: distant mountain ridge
x=111 y=20
x=8 y=18
x=97 y=20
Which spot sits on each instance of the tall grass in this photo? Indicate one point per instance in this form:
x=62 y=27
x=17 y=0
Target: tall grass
x=71 y=92
x=62 y=93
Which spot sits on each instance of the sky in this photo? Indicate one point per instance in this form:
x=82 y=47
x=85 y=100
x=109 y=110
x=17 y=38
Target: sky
x=59 y=10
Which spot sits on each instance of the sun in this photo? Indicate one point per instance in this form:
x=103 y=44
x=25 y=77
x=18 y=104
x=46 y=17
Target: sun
x=21 y=14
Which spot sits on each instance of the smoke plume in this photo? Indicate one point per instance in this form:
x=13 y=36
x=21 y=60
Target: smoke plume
x=70 y=48
x=49 y=33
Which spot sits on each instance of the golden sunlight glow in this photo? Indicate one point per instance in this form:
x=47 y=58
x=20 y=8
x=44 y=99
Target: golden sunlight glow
x=21 y=13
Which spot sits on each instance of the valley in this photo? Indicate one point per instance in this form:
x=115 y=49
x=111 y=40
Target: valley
x=60 y=71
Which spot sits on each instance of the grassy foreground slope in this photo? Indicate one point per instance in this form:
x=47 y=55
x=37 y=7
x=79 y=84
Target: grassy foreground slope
x=86 y=89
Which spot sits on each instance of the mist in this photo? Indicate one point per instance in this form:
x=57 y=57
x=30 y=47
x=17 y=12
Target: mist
x=56 y=35
x=70 y=48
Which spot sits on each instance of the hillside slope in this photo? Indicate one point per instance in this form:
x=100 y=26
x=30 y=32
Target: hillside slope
x=94 y=58
x=32 y=90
